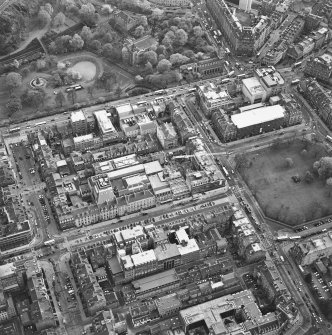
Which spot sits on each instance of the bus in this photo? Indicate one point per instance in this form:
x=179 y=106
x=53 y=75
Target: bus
x=295 y=82
x=297 y=64
x=192 y=90
x=227 y=51
x=219 y=32
x=40 y=123
x=231 y=74
x=301 y=269
x=227 y=62
x=160 y=92
x=14 y=130
x=140 y=103
x=258 y=54
x=226 y=80
x=282 y=258
x=225 y=171
x=294 y=237
x=329 y=138
x=241 y=75
x=215 y=33
x=49 y=242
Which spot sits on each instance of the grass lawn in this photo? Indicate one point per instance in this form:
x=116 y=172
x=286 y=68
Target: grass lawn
x=270 y=180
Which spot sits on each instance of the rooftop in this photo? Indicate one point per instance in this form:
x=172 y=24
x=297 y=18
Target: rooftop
x=105 y=124
x=258 y=116
x=83 y=138
x=190 y=247
x=77 y=116
x=253 y=85
x=143 y=257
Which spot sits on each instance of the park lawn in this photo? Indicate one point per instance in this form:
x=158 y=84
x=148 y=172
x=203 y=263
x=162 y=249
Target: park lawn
x=278 y=195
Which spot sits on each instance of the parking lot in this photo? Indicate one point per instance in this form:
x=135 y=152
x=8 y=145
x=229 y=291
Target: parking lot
x=320 y=287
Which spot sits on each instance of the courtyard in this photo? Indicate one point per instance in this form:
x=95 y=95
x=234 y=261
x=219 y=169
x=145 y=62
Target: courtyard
x=281 y=189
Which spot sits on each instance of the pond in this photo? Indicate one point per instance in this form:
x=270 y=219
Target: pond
x=86 y=69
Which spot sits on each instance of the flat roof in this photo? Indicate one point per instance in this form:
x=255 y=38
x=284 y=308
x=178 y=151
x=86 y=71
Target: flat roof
x=7 y=270
x=152 y=167
x=258 y=116
x=143 y=257
x=154 y=281
x=83 y=138
x=105 y=124
x=126 y=171
x=77 y=116
x=124 y=110
x=253 y=85
x=190 y=247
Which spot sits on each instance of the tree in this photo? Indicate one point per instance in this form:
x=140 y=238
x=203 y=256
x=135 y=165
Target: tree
x=143 y=21
x=41 y=64
x=48 y=8
x=90 y=90
x=148 y=68
x=59 y=20
x=107 y=50
x=181 y=37
x=13 y=80
x=324 y=167
x=33 y=98
x=329 y=185
x=164 y=65
x=151 y=57
x=76 y=42
x=72 y=95
x=308 y=177
x=139 y=31
x=86 y=34
x=13 y=105
x=118 y=91
x=178 y=59
x=88 y=14
x=96 y=45
x=43 y=18
x=289 y=162
x=198 y=32
x=106 y=10
x=57 y=80
x=60 y=99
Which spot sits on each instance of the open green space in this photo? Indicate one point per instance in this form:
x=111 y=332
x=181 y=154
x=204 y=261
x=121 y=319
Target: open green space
x=279 y=179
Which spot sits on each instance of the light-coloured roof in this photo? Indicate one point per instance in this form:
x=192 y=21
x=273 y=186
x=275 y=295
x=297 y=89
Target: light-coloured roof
x=126 y=171
x=77 y=116
x=105 y=124
x=152 y=167
x=181 y=235
x=258 y=116
x=83 y=138
x=144 y=257
x=190 y=247
x=7 y=270
x=124 y=110
x=253 y=85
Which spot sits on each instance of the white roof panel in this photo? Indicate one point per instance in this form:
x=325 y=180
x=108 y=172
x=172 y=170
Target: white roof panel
x=258 y=115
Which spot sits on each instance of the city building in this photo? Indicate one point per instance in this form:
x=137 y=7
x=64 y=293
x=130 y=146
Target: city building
x=319 y=67
x=212 y=97
x=184 y=126
x=286 y=34
x=206 y=67
x=311 y=42
x=168 y=305
x=231 y=314
x=272 y=81
x=167 y=136
x=253 y=90
x=123 y=20
x=173 y=3
x=136 y=120
x=87 y=142
x=243 y=39
x=105 y=126
x=319 y=99
x=223 y=126
x=259 y=120
x=134 y=49
x=101 y=188
x=78 y=123
x=312 y=250
x=156 y=284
